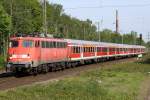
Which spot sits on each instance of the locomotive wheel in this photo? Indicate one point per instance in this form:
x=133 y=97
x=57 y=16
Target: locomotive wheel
x=68 y=65
x=63 y=65
x=34 y=71
x=45 y=69
x=73 y=65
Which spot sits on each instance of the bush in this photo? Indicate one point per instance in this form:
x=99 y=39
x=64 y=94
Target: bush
x=1 y=62
x=146 y=58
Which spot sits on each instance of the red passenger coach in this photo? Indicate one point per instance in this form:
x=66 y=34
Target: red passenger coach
x=35 y=54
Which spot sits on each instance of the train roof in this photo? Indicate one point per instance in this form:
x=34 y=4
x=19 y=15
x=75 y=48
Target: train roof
x=103 y=44
x=83 y=42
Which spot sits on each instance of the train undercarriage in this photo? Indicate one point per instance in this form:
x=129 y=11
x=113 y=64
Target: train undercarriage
x=19 y=69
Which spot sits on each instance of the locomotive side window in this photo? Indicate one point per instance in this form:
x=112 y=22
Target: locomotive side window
x=13 y=44
x=37 y=43
x=54 y=45
x=47 y=44
x=99 y=49
x=61 y=44
x=43 y=44
x=27 y=43
x=51 y=44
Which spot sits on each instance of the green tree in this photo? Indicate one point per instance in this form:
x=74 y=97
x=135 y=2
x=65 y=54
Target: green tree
x=4 y=29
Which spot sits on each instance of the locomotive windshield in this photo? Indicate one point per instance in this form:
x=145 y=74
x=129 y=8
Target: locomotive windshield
x=27 y=43
x=13 y=43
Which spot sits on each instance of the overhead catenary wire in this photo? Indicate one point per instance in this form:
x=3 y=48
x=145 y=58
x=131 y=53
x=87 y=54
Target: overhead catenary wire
x=111 y=6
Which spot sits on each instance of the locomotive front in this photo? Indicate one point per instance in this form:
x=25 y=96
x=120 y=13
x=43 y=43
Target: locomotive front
x=20 y=54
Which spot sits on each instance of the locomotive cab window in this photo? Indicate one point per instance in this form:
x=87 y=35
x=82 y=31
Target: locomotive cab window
x=27 y=43
x=13 y=44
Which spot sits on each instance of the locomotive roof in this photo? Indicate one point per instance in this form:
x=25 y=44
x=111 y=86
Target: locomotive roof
x=37 y=38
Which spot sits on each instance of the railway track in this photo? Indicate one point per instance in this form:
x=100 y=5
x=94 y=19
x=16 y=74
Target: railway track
x=8 y=80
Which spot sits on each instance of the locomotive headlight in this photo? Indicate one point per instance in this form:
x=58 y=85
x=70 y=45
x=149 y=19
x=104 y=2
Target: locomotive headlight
x=25 y=56
x=13 y=56
x=8 y=65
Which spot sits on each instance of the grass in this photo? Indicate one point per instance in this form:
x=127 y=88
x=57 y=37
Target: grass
x=117 y=82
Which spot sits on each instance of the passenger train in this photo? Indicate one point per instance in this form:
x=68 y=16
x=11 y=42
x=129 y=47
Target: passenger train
x=42 y=54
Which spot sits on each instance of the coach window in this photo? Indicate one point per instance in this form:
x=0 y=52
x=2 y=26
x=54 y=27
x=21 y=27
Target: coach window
x=114 y=49
x=78 y=49
x=91 y=49
x=88 y=49
x=121 y=49
x=98 y=49
x=104 y=49
x=74 y=49
x=27 y=43
x=83 y=49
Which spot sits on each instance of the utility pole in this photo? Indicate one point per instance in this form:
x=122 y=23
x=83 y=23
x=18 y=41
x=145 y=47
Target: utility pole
x=117 y=22
x=45 y=17
x=83 y=32
x=134 y=39
x=148 y=37
x=122 y=39
x=99 y=38
x=98 y=29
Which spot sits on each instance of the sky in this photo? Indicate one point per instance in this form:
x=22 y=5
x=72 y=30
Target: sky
x=133 y=14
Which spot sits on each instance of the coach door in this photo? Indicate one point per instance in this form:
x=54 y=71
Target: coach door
x=81 y=51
